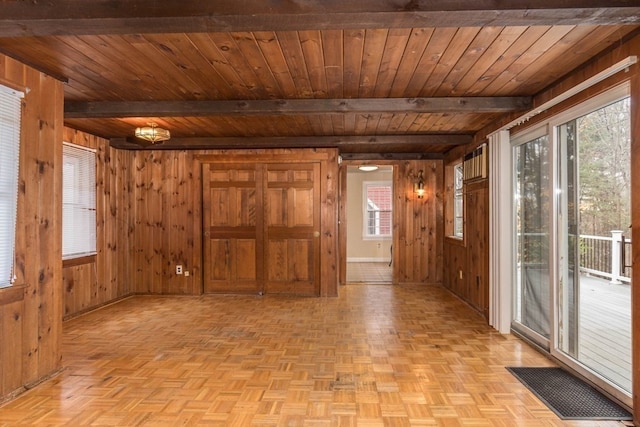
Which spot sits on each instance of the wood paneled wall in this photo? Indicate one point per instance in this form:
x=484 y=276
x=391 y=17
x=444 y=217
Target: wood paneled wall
x=466 y=265
x=418 y=232
x=418 y=223
x=94 y=281
x=166 y=198
x=31 y=310
x=167 y=230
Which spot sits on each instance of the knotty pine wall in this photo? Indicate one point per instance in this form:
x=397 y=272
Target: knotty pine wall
x=167 y=230
x=466 y=267
x=417 y=249
x=166 y=198
x=418 y=223
x=91 y=282
x=31 y=310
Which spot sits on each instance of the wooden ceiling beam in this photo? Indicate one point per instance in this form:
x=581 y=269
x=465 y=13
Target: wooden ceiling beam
x=378 y=157
x=94 y=110
x=390 y=141
x=81 y=17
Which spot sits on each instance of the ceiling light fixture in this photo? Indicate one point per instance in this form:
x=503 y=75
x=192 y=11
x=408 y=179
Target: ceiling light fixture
x=152 y=133
x=368 y=168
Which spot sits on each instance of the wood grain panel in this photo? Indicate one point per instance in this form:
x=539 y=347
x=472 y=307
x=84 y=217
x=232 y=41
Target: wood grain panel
x=232 y=227
x=292 y=229
x=298 y=198
x=31 y=327
x=105 y=277
x=417 y=223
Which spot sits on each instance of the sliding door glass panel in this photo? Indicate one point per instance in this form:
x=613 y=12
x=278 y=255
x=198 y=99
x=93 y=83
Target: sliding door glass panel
x=594 y=287
x=532 y=216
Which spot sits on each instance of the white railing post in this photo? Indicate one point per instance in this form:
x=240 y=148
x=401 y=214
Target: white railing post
x=616 y=240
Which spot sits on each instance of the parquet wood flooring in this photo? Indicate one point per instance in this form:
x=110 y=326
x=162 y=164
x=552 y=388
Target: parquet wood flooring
x=374 y=356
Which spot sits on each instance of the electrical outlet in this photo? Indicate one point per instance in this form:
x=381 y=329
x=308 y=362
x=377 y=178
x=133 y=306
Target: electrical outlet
x=178 y=269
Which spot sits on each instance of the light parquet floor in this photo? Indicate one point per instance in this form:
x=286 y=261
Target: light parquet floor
x=375 y=356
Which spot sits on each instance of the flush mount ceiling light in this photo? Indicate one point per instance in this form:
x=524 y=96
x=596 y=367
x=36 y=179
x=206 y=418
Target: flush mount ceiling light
x=152 y=133
x=368 y=168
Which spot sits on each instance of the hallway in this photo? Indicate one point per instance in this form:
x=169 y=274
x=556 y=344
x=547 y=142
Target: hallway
x=374 y=356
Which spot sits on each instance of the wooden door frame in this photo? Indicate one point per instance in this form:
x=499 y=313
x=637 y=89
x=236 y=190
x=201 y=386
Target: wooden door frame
x=329 y=175
x=418 y=225
x=342 y=216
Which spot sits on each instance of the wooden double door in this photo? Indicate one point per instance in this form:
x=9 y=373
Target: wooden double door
x=261 y=227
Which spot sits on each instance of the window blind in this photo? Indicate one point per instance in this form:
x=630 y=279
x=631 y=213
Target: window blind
x=78 y=201
x=10 y=114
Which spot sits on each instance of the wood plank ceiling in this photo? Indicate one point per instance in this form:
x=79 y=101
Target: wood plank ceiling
x=377 y=78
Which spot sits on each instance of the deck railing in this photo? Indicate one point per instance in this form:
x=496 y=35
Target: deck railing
x=608 y=257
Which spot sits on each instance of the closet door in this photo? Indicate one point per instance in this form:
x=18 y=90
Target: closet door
x=233 y=227
x=292 y=228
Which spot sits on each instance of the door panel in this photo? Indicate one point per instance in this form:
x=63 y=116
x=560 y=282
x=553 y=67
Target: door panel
x=594 y=299
x=232 y=226
x=292 y=229
x=262 y=225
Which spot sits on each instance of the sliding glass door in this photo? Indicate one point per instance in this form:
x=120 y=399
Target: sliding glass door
x=532 y=161
x=571 y=216
x=594 y=291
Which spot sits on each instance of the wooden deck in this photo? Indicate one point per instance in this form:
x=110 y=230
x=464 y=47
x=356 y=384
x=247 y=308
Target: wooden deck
x=605 y=328
x=374 y=356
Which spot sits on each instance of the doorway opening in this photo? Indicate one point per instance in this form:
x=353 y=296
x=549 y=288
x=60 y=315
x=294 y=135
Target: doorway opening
x=369 y=211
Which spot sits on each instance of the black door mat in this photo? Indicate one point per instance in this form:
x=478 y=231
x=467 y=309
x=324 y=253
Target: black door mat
x=568 y=396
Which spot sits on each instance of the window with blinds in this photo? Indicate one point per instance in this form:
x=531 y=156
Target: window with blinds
x=10 y=113
x=78 y=201
x=458 y=201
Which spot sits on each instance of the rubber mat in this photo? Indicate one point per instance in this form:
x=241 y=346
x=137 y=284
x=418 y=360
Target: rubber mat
x=568 y=396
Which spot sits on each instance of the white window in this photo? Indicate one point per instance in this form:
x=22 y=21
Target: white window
x=10 y=113
x=377 y=207
x=78 y=202
x=458 y=203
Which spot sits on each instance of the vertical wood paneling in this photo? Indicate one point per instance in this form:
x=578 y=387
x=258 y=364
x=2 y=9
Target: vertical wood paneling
x=31 y=328
x=466 y=265
x=477 y=274
x=418 y=233
x=417 y=227
x=105 y=277
x=166 y=222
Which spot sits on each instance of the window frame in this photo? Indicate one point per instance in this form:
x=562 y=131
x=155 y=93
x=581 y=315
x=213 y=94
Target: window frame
x=79 y=202
x=458 y=195
x=365 y=210
x=450 y=200
x=10 y=163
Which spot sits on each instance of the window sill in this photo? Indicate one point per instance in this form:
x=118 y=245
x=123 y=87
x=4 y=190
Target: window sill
x=458 y=241
x=74 y=262
x=12 y=294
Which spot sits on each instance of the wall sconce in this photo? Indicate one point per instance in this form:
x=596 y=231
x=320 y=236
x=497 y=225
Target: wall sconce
x=418 y=186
